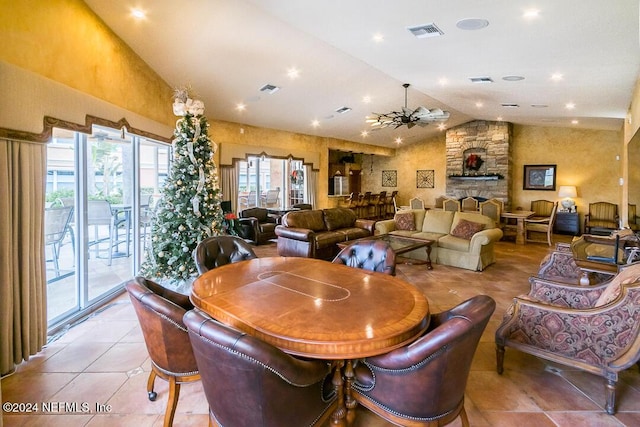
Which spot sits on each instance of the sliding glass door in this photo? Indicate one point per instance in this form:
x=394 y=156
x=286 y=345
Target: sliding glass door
x=270 y=183
x=100 y=197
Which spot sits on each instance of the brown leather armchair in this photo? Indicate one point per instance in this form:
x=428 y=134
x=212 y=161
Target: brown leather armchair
x=372 y=255
x=160 y=312
x=250 y=383
x=215 y=251
x=257 y=225
x=591 y=328
x=423 y=383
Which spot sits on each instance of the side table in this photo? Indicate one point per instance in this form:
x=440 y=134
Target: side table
x=567 y=223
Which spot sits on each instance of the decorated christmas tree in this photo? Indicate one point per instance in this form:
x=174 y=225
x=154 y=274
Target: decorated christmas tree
x=189 y=209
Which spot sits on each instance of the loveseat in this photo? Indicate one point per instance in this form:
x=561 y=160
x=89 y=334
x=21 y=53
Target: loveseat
x=461 y=239
x=316 y=233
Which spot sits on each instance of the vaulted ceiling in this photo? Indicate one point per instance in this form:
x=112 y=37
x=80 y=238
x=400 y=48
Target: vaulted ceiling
x=549 y=62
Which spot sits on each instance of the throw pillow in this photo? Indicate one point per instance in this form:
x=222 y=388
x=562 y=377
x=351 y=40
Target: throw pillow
x=466 y=229
x=404 y=221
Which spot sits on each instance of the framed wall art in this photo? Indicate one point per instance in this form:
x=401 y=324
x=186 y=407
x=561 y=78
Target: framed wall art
x=539 y=177
x=425 y=178
x=389 y=178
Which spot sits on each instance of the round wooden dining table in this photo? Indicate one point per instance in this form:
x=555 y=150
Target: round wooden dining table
x=315 y=309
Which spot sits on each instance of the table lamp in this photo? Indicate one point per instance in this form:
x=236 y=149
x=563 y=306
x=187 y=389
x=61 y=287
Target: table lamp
x=568 y=193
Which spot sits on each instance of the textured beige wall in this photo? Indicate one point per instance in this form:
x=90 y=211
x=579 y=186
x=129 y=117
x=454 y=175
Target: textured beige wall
x=64 y=41
x=585 y=158
x=424 y=155
x=588 y=159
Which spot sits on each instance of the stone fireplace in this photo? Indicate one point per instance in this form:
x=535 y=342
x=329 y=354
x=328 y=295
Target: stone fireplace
x=479 y=160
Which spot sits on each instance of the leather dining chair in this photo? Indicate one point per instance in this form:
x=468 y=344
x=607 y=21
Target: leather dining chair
x=215 y=251
x=250 y=383
x=372 y=255
x=423 y=383
x=160 y=312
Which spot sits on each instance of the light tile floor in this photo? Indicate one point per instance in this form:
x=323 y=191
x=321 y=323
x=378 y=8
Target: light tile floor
x=103 y=361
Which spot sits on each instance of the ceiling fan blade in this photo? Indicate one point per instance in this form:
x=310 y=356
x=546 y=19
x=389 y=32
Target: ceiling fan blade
x=407 y=112
x=411 y=124
x=444 y=115
x=420 y=112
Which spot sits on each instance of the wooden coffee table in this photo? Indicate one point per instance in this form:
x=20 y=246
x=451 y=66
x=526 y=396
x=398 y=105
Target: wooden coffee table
x=400 y=245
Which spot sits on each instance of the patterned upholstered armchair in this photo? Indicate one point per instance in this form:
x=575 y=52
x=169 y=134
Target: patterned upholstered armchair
x=602 y=217
x=592 y=328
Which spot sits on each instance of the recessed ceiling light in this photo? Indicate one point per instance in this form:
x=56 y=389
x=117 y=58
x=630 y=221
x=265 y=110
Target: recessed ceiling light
x=442 y=126
x=513 y=78
x=531 y=13
x=472 y=24
x=479 y=104
x=364 y=134
x=366 y=99
x=499 y=118
x=315 y=123
x=443 y=81
x=138 y=13
x=398 y=140
x=293 y=73
x=570 y=106
x=539 y=105
x=556 y=77
x=241 y=107
x=574 y=122
x=378 y=38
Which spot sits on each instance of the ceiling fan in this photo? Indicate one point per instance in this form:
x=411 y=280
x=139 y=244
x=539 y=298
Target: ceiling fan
x=421 y=116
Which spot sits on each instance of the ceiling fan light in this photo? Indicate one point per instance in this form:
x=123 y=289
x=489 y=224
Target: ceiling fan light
x=420 y=116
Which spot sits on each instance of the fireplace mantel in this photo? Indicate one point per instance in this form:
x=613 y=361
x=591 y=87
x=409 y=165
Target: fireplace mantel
x=477 y=177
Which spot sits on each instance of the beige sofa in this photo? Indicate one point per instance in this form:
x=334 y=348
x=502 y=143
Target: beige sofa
x=475 y=253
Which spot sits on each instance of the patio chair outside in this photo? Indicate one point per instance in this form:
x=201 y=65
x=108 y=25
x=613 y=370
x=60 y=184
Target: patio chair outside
x=56 y=223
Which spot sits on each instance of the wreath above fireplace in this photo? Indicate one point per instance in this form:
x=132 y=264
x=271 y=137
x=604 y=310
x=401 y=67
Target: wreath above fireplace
x=473 y=162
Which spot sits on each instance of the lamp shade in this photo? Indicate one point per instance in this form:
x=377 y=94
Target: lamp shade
x=568 y=191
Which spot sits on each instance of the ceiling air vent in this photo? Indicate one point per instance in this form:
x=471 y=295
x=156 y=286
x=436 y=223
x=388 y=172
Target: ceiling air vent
x=426 y=30
x=269 y=88
x=481 y=79
x=510 y=105
x=343 y=110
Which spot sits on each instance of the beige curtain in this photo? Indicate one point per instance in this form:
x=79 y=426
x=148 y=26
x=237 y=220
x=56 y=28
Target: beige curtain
x=229 y=185
x=311 y=183
x=23 y=318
